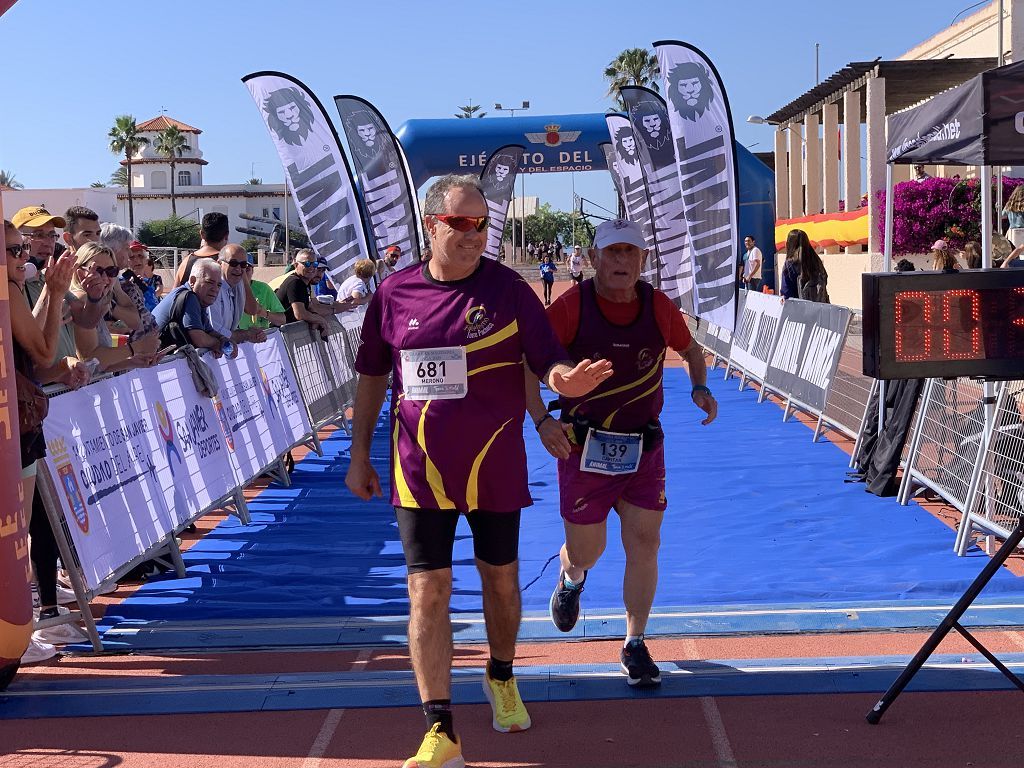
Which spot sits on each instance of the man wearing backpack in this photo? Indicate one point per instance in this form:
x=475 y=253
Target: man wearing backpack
x=181 y=315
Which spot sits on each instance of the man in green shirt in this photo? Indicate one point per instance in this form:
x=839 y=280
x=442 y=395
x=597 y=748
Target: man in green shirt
x=271 y=309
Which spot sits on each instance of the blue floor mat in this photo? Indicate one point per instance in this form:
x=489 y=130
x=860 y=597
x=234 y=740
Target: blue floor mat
x=758 y=515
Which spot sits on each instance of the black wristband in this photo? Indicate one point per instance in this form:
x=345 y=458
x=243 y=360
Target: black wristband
x=544 y=418
x=701 y=388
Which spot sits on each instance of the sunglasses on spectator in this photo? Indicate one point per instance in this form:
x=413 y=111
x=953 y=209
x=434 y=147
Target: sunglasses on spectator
x=105 y=271
x=464 y=223
x=235 y=263
x=42 y=236
x=17 y=250
x=307 y=263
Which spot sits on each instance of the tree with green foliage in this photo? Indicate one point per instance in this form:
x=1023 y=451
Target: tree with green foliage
x=98 y=185
x=7 y=179
x=253 y=244
x=171 y=143
x=469 y=110
x=254 y=182
x=125 y=139
x=548 y=225
x=173 y=232
x=634 y=66
x=119 y=178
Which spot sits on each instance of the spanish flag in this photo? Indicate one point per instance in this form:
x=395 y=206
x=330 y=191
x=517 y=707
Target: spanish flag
x=827 y=229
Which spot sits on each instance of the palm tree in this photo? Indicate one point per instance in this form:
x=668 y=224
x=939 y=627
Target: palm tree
x=170 y=143
x=119 y=178
x=98 y=185
x=634 y=66
x=254 y=181
x=125 y=139
x=470 y=110
x=8 y=180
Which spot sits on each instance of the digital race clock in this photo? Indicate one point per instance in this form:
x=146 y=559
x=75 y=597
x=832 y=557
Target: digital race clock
x=944 y=324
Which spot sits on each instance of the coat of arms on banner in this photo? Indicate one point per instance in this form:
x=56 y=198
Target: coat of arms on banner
x=69 y=482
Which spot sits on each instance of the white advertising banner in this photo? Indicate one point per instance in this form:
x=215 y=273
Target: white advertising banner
x=756 y=329
x=100 y=445
x=192 y=455
x=241 y=407
x=289 y=422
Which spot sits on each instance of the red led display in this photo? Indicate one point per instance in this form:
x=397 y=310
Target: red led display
x=944 y=324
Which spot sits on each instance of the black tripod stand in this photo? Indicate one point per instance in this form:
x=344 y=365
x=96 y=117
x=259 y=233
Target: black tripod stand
x=952 y=621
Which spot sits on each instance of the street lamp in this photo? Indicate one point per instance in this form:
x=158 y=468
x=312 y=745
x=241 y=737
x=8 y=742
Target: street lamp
x=512 y=110
x=512 y=113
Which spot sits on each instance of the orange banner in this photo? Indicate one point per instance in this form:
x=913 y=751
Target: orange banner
x=827 y=229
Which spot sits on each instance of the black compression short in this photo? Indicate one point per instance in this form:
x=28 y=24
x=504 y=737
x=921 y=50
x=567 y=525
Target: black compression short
x=428 y=536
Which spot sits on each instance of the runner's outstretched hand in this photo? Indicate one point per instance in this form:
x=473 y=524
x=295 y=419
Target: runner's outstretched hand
x=578 y=381
x=362 y=480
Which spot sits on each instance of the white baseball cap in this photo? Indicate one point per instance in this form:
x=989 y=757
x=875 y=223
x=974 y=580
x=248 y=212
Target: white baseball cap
x=619 y=231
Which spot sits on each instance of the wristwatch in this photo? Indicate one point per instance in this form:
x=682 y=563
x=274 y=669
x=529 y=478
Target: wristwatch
x=701 y=388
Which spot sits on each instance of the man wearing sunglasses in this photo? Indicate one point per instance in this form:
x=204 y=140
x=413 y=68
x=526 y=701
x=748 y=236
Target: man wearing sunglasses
x=234 y=298
x=455 y=333
x=610 y=446
x=39 y=228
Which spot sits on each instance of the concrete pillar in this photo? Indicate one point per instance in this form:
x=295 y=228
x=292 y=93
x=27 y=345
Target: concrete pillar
x=876 y=159
x=796 y=175
x=812 y=137
x=851 y=155
x=830 y=161
x=781 y=175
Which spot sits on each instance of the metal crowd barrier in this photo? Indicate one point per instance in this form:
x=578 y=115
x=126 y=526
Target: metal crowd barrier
x=324 y=377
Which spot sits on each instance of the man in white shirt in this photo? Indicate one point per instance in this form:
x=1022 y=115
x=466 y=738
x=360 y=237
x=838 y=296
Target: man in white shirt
x=751 y=265
x=226 y=311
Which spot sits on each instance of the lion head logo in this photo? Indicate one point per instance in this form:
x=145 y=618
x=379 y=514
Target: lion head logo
x=652 y=120
x=625 y=145
x=289 y=115
x=503 y=166
x=690 y=89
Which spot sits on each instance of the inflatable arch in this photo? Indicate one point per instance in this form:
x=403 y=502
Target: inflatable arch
x=558 y=143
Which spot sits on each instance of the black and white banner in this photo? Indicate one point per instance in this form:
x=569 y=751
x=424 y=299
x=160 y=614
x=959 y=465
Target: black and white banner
x=609 y=160
x=625 y=166
x=755 y=333
x=648 y=117
x=806 y=354
x=498 y=178
x=383 y=180
x=702 y=134
x=318 y=174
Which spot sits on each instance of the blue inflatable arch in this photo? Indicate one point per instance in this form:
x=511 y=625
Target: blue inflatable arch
x=556 y=143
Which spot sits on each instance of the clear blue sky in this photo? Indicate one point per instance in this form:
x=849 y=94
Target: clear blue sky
x=68 y=66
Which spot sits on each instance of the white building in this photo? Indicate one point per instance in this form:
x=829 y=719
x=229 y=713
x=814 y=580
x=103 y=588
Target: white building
x=151 y=190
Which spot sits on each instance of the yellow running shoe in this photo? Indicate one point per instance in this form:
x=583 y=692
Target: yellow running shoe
x=437 y=751
x=510 y=713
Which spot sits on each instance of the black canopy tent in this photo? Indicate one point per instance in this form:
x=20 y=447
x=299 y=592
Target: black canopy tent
x=980 y=122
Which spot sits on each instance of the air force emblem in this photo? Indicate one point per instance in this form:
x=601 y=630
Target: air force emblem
x=553 y=136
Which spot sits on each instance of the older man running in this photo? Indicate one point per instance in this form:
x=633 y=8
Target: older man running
x=609 y=444
x=454 y=332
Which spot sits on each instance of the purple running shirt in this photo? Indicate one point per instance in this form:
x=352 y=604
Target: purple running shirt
x=466 y=453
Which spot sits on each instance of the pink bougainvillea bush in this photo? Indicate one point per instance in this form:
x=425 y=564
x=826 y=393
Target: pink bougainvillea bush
x=933 y=209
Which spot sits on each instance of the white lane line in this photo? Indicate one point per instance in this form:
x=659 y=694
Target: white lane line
x=323 y=739
x=719 y=738
x=333 y=719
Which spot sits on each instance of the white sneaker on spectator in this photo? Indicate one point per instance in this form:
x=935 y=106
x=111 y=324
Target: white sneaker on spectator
x=61 y=634
x=65 y=596
x=37 y=651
